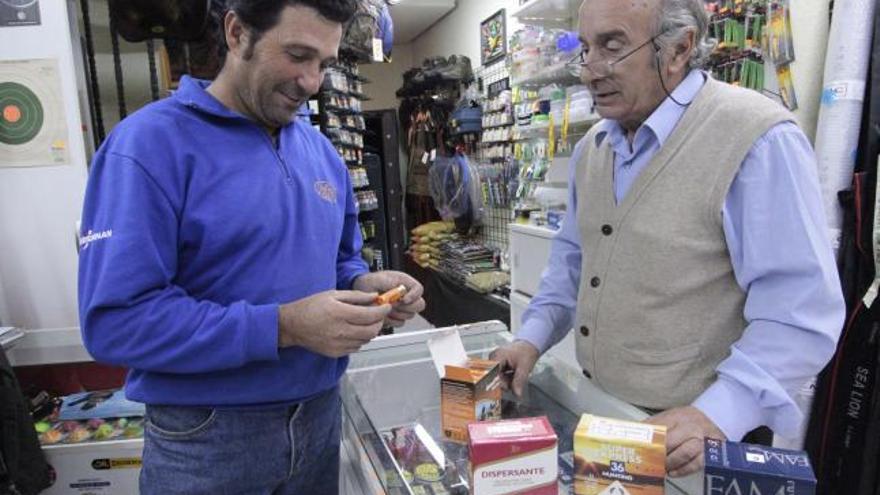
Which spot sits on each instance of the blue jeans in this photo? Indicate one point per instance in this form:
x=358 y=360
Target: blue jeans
x=279 y=450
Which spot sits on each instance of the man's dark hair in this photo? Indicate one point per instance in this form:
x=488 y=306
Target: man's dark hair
x=262 y=15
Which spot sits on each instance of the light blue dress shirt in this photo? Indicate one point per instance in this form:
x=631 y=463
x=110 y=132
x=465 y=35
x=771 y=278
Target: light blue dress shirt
x=774 y=225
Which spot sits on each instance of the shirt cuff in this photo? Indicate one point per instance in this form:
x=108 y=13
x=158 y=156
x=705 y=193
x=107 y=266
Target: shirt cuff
x=533 y=332
x=262 y=342
x=732 y=407
x=348 y=280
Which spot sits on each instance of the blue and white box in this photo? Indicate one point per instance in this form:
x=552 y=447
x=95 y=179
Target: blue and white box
x=742 y=468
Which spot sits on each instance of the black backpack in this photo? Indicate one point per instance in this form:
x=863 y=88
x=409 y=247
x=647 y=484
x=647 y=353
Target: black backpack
x=139 y=20
x=23 y=468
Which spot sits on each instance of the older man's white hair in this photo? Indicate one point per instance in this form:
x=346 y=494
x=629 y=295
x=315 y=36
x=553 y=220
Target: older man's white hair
x=675 y=19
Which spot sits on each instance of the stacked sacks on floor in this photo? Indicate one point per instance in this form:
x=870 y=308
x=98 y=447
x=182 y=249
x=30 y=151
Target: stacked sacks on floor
x=426 y=238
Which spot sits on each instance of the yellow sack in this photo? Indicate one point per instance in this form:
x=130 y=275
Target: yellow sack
x=427 y=228
x=438 y=236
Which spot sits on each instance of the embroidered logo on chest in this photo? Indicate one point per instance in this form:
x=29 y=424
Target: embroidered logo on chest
x=326 y=191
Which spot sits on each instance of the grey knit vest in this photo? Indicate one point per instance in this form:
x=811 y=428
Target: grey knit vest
x=658 y=304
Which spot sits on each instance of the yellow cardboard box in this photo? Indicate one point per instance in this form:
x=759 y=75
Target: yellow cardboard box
x=623 y=454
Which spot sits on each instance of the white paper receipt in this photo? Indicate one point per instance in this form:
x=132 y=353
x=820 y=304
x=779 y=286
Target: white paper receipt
x=613 y=430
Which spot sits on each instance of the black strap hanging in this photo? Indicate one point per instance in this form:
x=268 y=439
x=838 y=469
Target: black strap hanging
x=97 y=113
x=117 y=66
x=154 y=78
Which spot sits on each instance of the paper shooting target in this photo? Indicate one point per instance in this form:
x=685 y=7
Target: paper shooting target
x=22 y=114
x=33 y=123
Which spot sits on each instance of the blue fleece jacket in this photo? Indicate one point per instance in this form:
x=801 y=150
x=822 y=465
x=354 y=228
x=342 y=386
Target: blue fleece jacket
x=195 y=228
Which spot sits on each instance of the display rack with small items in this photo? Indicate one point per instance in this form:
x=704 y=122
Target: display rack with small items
x=751 y=34
x=340 y=111
x=739 y=28
x=340 y=118
x=497 y=122
x=552 y=110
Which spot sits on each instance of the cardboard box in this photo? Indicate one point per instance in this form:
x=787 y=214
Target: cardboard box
x=513 y=456
x=733 y=467
x=618 y=456
x=99 y=468
x=468 y=394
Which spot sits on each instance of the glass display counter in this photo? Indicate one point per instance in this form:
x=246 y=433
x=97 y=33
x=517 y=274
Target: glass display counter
x=392 y=441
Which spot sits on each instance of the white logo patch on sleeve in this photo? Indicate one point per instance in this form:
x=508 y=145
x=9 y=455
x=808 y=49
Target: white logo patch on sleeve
x=90 y=237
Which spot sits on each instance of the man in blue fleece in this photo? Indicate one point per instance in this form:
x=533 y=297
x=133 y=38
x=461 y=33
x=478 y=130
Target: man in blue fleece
x=220 y=263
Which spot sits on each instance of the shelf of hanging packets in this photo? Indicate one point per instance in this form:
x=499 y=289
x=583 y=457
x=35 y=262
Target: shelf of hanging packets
x=548 y=13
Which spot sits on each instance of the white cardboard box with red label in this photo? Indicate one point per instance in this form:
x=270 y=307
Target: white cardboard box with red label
x=513 y=456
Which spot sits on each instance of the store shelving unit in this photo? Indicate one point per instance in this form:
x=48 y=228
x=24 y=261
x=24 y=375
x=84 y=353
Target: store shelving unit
x=382 y=139
x=341 y=119
x=493 y=160
x=544 y=144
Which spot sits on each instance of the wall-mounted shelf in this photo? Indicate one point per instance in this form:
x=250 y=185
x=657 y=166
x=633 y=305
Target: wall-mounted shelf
x=49 y=346
x=548 y=13
x=576 y=127
x=9 y=336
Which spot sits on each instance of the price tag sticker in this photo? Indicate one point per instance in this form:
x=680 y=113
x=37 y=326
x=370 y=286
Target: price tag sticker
x=378 y=52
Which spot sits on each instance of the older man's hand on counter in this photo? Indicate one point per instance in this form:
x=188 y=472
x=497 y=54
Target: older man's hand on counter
x=686 y=427
x=517 y=360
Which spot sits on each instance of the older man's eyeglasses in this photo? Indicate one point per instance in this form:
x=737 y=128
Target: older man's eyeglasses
x=602 y=67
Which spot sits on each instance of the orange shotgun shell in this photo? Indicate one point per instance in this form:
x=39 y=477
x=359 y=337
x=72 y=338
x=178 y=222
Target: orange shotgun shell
x=392 y=296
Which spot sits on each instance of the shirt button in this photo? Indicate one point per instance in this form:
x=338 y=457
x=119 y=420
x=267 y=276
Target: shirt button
x=585 y=331
x=607 y=230
x=595 y=281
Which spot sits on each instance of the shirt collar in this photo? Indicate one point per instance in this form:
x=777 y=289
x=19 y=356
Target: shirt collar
x=193 y=93
x=664 y=118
